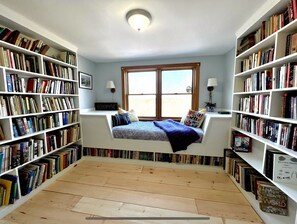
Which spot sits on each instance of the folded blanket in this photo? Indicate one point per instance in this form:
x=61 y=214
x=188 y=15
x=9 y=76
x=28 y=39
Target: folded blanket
x=180 y=136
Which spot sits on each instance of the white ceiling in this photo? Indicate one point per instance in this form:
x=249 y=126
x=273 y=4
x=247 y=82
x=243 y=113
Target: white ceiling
x=180 y=28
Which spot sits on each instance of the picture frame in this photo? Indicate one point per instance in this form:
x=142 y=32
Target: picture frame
x=241 y=142
x=85 y=81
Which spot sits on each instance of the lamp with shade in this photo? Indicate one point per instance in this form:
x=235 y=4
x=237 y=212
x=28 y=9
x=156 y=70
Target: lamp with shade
x=211 y=83
x=110 y=85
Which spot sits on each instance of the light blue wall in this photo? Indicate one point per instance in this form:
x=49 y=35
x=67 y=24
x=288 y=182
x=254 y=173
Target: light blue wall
x=220 y=67
x=228 y=81
x=87 y=97
x=211 y=66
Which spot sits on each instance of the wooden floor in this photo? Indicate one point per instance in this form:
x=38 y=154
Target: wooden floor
x=93 y=189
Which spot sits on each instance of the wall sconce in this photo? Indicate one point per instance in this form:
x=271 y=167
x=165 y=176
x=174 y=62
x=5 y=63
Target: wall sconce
x=110 y=85
x=211 y=83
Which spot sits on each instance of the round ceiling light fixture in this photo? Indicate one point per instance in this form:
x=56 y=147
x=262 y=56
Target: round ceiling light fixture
x=139 y=19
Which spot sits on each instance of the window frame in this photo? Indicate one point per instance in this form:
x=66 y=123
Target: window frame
x=195 y=67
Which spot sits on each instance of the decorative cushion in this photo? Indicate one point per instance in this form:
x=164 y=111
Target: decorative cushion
x=120 y=119
x=194 y=118
x=132 y=114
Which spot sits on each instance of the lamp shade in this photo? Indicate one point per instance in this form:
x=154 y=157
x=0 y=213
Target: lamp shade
x=212 y=82
x=110 y=85
x=139 y=19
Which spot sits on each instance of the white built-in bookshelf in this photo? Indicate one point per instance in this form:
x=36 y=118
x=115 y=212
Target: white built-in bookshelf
x=260 y=109
x=39 y=112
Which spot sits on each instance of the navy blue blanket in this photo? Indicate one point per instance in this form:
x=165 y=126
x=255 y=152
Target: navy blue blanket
x=179 y=135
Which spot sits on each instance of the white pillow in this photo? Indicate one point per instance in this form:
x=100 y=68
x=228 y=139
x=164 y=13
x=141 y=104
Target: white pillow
x=132 y=114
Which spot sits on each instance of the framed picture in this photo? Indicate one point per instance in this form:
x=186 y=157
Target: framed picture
x=85 y=80
x=241 y=142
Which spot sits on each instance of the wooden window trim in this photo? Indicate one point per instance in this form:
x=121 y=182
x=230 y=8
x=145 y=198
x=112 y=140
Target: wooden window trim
x=158 y=69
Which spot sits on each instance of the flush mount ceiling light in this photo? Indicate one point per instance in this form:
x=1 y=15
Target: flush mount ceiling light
x=139 y=19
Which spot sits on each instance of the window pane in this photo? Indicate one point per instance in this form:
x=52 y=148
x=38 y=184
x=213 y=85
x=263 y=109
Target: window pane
x=177 y=81
x=142 y=82
x=175 y=105
x=144 y=106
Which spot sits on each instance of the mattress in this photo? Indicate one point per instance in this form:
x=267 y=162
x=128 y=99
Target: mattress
x=145 y=130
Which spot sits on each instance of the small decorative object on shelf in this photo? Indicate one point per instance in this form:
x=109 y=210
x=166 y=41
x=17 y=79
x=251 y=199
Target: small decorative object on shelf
x=210 y=107
x=241 y=142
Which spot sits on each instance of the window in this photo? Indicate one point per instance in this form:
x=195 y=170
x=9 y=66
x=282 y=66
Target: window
x=161 y=91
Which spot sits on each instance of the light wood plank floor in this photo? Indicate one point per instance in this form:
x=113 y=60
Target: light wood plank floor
x=96 y=189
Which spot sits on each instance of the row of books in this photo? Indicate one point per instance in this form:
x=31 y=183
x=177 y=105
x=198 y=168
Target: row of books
x=281 y=133
x=258 y=104
x=62 y=137
x=189 y=159
x=34 y=174
x=57 y=119
x=68 y=57
x=270 y=198
x=17 y=105
x=259 y=81
x=256 y=59
x=268 y=27
x=16 y=38
x=158 y=157
x=57 y=103
x=114 y=153
x=56 y=70
x=285 y=76
x=12 y=156
x=11 y=59
x=289 y=105
x=272 y=24
x=24 y=126
x=37 y=85
x=29 y=125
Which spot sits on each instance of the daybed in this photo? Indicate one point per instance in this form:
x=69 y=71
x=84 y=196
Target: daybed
x=97 y=133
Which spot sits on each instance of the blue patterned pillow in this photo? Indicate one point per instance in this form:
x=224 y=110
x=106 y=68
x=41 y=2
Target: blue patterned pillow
x=120 y=119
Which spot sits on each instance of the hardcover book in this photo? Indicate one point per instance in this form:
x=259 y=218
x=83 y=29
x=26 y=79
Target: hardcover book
x=284 y=168
x=272 y=200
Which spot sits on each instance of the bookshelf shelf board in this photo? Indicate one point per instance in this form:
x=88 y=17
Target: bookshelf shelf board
x=17 y=49
x=268 y=42
x=59 y=62
x=252 y=159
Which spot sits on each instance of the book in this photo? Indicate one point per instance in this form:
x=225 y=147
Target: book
x=284 y=168
x=268 y=165
x=7 y=186
x=14 y=187
x=241 y=142
x=272 y=199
